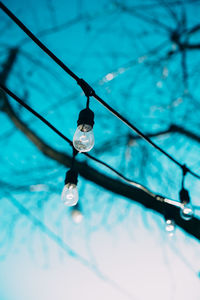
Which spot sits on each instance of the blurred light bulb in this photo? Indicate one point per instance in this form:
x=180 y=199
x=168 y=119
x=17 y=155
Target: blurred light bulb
x=70 y=194
x=186 y=211
x=170 y=226
x=83 y=139
x=77 y=216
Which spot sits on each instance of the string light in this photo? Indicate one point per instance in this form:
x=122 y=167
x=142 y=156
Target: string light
x=69 y=194
x=124 y=178
x=85 y=125
x=87 y=89
x=131 y=182
x=186 y=210
x=83 y=139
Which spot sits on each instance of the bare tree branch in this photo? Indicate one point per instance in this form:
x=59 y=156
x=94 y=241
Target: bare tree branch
x=194 y=29
x=89 y=173
x=191 y=46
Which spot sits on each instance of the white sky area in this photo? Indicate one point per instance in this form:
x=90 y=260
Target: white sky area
x=135 y=260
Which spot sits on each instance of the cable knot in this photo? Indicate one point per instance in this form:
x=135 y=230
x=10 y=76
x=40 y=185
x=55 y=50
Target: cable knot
x=184 y=169
x=87 y=89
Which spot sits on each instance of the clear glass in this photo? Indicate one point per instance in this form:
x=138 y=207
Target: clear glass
x=186 y=212
x=83 y=139
x=170 y=226
x=70 y=194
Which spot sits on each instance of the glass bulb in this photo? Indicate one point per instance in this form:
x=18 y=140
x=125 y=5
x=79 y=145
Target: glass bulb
x=70 y=194
x=83 y=139
x=77 y=216
x=186 y=212
x=170 y=226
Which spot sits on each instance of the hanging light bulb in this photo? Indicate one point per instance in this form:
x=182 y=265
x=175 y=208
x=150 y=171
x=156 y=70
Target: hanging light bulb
x=70 y=193
x=83 y=139
x=186 y=210
x=77 y=215
x=170 y=226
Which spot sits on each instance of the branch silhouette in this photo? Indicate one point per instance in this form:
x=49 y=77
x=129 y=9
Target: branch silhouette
x=89 y=173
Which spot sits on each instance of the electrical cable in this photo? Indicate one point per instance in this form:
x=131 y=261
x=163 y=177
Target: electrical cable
x=89 y=91
x=127 y=180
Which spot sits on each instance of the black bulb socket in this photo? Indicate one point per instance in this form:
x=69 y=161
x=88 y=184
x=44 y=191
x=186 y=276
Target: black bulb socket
x=71 y=177
x=86 y=116
x=184 y=196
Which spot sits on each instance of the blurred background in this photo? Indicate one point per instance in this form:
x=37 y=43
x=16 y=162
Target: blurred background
x=143 y=58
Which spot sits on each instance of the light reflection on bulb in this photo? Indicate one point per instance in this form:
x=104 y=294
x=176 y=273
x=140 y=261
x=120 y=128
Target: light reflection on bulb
x=83 y=139
x=186 y=211
x=70 y=194
x=170 y=227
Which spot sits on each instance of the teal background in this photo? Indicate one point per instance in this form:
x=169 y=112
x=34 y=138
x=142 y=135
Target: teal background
x=120 y=250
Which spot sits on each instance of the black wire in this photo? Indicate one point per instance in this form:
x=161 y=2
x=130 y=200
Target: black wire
x=85 y=87
x=88 y=102
x=124 y=178
x=75 y=152
x=184 y=171
x=142 y=135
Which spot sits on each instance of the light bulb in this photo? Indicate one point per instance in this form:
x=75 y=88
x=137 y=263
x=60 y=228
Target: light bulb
x=186 y=211
x=170 y=226
x=77 y=216
x=83 y=139
x=70 y=194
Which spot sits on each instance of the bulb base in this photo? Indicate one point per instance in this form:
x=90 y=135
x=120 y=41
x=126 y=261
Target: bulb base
x=184 y=196
x=86 y=116
x=71 y=177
